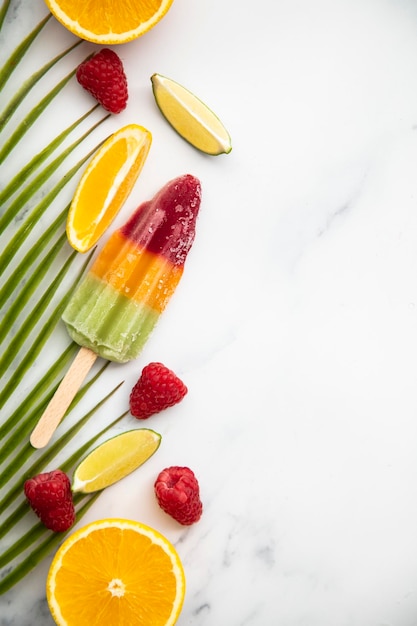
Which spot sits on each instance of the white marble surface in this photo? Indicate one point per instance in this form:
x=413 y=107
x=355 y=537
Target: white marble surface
x=295 y=326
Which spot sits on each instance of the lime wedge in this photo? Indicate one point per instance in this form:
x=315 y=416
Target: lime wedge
x=114 y=459
x=190 y=117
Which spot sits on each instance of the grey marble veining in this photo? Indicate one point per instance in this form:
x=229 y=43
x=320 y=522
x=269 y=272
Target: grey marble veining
x=295 y=326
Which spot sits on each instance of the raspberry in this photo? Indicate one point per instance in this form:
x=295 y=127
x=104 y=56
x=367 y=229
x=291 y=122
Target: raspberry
x=50 y=496
x=157 y=389
x=103 y=76
x=178 y=494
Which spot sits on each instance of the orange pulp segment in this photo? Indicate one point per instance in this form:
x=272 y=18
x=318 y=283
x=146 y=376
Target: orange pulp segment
x=116 y=572
x=106 y=21
x=106 y=184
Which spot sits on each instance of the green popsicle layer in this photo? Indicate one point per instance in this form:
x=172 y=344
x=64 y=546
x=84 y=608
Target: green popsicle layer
x=104 y=320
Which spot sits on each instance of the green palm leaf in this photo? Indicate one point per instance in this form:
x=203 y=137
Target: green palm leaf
x=32 y=220
x=25 y=266
x=3 y=10
x=21 y=49
x=41 y=394
x=41 y=461
x=38 y=343
x=52 y=540
x=22 y=199
x=17 y=181
x=23 y=91
x=34 y=267
x=30 y=322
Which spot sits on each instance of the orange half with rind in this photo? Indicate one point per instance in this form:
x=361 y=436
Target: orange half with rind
x=115 y=572
x=106 y=21
x=105 y=185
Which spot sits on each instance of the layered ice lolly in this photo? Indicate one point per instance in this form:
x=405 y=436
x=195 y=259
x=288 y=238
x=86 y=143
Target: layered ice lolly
x=117 y=305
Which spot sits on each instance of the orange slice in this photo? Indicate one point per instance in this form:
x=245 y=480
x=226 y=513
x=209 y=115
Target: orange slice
x=115 y=572
x=106 y=183
x=107 y=21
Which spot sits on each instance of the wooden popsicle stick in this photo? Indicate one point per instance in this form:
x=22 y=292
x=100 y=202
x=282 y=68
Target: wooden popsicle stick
x=62 y=398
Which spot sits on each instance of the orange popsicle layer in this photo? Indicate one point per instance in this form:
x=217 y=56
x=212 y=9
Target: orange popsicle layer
x=136 y=273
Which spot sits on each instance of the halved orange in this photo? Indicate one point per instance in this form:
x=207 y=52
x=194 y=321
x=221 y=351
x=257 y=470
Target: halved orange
x=107 y=21
x=116 y=572
x=105 y=185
